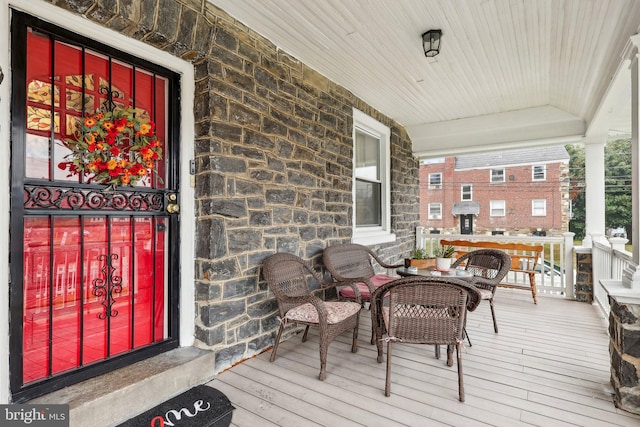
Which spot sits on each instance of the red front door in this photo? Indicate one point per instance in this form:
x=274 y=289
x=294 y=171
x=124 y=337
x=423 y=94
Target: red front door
x=93 y=283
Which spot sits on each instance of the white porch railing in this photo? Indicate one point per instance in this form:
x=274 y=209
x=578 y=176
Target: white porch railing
x=556 y=268
x=609 y=262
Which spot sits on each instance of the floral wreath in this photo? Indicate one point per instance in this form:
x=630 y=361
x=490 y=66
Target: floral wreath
x=116 y=148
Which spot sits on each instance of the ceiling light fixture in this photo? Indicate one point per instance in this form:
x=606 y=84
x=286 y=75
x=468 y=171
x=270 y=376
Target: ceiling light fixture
x=431 y=42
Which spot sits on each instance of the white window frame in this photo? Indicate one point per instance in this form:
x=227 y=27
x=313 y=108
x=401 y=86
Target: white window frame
x=495 y=181
x=435 y=186
x=496 y=205
x=462 y=192
x=435 y=210
x=382 y=234
x=533 y=172
x=539 y=210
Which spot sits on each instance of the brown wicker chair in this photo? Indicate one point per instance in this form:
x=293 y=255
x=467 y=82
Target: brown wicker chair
x=489 y=266
x=352 y=263
x=423 y=310
x=286 y=276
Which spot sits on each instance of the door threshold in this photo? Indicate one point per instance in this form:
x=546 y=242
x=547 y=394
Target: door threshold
x=133 y=389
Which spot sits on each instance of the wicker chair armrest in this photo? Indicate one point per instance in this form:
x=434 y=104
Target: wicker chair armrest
x=460 y=260
x=347 y=282
x=322 y=310
x=473 y=295
x=302 y=299
x=482 y=283
x=377 y=302
x=381 y=262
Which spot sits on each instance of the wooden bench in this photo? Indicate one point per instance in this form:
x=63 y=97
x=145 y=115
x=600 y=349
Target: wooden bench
x=524 y=259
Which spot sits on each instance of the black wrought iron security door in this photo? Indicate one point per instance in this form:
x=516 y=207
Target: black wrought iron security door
x=94 y=247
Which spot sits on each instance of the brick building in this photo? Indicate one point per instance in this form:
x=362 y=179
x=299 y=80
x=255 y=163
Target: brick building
x=509 y=192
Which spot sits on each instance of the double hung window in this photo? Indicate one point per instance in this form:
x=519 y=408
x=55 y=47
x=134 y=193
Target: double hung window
x=539 y=207
x=435 y=181
x=371 y=177
x=466 y=192
x=497 y=175
x=435 y=210
x=497 y=208
x=539 y=173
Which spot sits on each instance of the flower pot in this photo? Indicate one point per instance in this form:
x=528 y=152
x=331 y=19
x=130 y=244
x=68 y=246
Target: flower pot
x=443 y=264
x=420 y=263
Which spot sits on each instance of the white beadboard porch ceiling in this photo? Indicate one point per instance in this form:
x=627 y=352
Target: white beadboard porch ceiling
x=510 y=73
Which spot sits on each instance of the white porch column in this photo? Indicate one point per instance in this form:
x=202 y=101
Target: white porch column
x=631 y=275
x=594 y=189
x=419 y=239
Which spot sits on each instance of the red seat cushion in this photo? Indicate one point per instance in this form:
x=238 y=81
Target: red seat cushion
x=377 y=281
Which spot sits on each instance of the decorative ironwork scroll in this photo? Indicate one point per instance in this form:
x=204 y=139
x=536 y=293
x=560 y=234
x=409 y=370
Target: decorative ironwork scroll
x=106 y=287
x=109 y=104
x=83 y=199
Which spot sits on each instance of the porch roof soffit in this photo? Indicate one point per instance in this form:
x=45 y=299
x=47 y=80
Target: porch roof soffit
x=538 y=80
x=613 y=113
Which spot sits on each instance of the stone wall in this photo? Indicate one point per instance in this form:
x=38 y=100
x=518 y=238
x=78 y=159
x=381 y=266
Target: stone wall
x=273 y=155
x=584 y=276
x=624 y=349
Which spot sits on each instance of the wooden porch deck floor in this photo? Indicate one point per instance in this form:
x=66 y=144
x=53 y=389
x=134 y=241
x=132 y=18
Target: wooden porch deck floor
x=548 y=366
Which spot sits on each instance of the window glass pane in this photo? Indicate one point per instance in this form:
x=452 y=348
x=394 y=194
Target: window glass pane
x=466 y=192
x=435 y=211
x=497 y=175
x=41 y=96
x=435 y=180
x=367 y=157
x=67 y=293
x=69 y=111
x=539 y=207
x=539 y=173
x=497 y=208
x=37 y=309
x=94 y=329
x=160 y=118
x=120 y=240
x=368 y=208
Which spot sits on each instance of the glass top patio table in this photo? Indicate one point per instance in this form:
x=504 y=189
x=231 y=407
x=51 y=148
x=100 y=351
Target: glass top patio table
x=432 y=272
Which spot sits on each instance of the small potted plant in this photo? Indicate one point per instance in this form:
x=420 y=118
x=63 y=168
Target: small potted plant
x=444 y=256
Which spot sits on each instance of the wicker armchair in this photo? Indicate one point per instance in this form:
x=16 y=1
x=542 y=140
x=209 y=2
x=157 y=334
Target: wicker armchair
x=286 y=276
x=489 y=266
x=352 y=263
x=423 y=310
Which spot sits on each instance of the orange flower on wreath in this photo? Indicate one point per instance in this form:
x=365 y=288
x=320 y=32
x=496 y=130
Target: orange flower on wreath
x=116 y=148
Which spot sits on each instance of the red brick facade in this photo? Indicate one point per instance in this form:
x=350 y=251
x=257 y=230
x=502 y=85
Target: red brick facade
x=517 y=191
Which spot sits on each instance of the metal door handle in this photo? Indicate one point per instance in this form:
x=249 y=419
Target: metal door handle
x=173 y=207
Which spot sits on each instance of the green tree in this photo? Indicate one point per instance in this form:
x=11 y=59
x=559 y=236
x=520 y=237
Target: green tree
x=576 y=189
x=617 y=160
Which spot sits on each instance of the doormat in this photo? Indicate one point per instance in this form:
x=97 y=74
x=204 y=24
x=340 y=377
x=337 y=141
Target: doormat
x=201 y=406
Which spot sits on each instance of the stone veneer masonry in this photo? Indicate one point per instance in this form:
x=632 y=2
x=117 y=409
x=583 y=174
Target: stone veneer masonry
x=273 y=155
x=584 y=276
x=624 y=349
